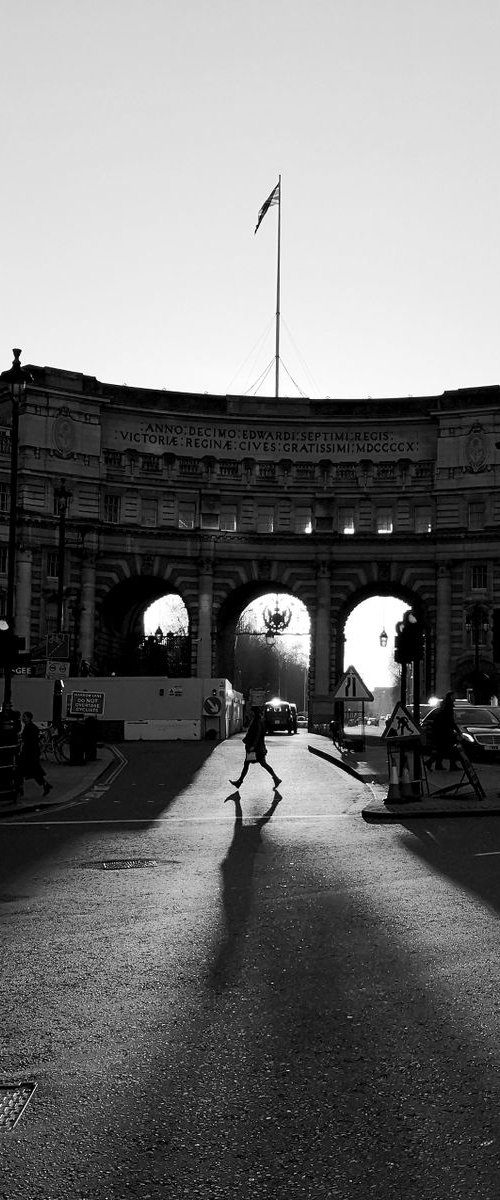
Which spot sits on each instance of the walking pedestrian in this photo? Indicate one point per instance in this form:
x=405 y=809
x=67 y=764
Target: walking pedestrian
x=30 y=766
x=256 y=750
x=445 y=736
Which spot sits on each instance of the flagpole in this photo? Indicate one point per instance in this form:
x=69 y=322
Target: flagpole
x=277 y=360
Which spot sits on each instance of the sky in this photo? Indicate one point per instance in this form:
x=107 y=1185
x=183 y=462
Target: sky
x=141 y=137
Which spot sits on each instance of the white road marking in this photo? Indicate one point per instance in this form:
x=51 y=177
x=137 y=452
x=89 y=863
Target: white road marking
x=223 y=820
x=485 y=853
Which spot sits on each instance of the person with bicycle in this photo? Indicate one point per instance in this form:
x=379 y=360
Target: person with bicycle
x=30 y=766
x=336 y=733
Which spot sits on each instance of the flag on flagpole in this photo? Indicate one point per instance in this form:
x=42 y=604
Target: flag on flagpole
x=274 y=198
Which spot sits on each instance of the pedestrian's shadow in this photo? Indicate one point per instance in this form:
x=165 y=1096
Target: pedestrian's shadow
x=237 y=884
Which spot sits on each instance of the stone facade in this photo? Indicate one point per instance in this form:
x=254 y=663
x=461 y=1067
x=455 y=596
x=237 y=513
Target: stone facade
x=221 y=499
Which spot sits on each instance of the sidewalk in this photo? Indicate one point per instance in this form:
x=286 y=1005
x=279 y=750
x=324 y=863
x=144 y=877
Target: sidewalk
x=371 y=766
x=68 y=782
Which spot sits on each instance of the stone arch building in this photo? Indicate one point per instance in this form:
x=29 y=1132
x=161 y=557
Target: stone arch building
x=222 y=498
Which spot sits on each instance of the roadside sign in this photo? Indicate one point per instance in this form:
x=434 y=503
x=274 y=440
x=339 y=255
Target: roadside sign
x=212 y=706
x=57 y=670
x=86 y=704
x=55 y=645
x=401 y=724
x=351 y=687
x=257 y=697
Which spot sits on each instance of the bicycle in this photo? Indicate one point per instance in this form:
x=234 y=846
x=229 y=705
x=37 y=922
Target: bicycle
x=338 y=738
x=54 y=744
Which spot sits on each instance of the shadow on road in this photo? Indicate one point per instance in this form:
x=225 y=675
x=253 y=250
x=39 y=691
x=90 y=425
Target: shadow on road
x=237 y=871
x=466 y=852
x=154 y=778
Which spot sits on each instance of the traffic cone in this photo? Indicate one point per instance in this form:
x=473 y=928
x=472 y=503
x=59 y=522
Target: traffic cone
x=405 y=783
x=393 y=793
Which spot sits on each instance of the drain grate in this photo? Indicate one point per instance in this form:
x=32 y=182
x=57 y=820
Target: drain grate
x=14 y=1097
x=121 y=864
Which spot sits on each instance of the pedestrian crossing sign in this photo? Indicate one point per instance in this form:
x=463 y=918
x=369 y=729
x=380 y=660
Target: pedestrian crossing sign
x=401 y=724
x=351 y=687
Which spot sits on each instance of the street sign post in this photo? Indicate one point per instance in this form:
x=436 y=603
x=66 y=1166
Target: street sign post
x=404 y=760
x=351 y=689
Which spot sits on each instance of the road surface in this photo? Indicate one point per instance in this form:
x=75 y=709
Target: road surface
x=280 y=1002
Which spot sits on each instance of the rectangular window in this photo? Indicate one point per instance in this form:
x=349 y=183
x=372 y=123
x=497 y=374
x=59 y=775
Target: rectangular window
x=265 y=519
x=228 y=519
x=151 y=463
x=423 y=519
x=112 y=458
x=4 y=558
x=58 y=500
x=186 y=515
x=479 y=577
x=4 y=497
x=112 y=509
x=346 y=520
x=209 y=520
x=52 y=565
x=302 y=520
x=476 y=514
x=384 y=520
x=149 y=512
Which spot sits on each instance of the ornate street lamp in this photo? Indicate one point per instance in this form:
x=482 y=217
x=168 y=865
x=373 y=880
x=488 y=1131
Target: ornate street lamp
x=383 y=639
x=275 y=622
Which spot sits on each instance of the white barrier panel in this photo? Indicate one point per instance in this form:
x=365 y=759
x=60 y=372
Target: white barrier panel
x=162 y=731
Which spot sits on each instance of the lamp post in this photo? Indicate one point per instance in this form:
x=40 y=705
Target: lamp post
x=62 y=496
x=383 y=639
x=15 y=379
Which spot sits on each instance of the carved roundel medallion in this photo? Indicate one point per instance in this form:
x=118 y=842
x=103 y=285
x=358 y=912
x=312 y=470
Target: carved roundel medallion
x=63 y=433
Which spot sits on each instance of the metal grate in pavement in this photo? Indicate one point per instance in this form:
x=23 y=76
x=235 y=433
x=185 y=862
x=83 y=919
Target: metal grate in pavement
x=121 y=864
x=14 y=1097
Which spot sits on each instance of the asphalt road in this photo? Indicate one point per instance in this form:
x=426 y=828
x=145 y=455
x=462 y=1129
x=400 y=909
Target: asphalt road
x=286 y=1002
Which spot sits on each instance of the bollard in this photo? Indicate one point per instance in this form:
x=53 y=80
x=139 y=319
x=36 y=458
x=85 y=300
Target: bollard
x=405 y=782
x=393 y=793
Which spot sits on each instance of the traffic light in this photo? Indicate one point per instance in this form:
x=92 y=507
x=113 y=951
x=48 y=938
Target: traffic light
x=11 y=646
x=408 y=643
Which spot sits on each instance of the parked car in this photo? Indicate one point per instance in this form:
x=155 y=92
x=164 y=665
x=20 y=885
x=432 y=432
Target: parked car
x=479 y=730
x=373 y=720
x=302 y=721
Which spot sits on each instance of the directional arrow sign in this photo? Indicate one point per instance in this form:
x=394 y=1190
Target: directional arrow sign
x=351 y=687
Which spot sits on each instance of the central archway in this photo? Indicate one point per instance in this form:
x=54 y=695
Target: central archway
x=243 y=655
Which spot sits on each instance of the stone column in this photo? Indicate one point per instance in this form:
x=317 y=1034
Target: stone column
x=205 y=598
x=23 y=593
x=322 y=650
x=87 y=611
x=443 y=630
